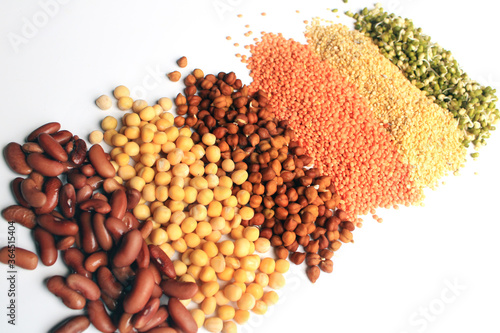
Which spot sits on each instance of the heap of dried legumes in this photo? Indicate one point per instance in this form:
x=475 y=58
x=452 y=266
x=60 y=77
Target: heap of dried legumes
x=334 y=124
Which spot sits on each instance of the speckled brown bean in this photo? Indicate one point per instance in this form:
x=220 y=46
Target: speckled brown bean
x=101 y=233
x=99 y=317
x=52 y=188
x=16 y=159
x=20 y=257
x=74 y=258
x=129 y=248
x=19 y=214
x=49 y=128
x=181 y=316
x=76 y=324
x=46 y=246
x=141 y=291
x=52 y=147
x=72 y=299
x=85 y=286
x=45 y=165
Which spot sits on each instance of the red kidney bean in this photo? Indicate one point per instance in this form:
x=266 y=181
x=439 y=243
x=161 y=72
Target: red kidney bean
x=133 y=197
x=99 y=161
x=76 y=324
x=79 y=152
x=70 y=298
x=52 y=147
x=110 y=184
x=95 y=182
x=65 y=243
x=143 y=257
x=118 y=204
x=19 y=214
x=85 y=286
x=163 y=330
x=31 y=147
x=46 y=246
x=74 y=258
x=22 y=258
x=67 y=200
x=125 y=323
x=52 y=188
x=45 y=165
x=16 y=191
x=57 y=226
x=146 y=228
x=107 y=282
x=181 y=316
x=99 y=317
x=97 y=205
x=101 y=233
x=16 y=159
x=156 y=273
x=123 y=274
x=96 y=260
x=130 y=221
x=164 y=263
x=88 y=240
x=99 y=196
x=62 y=137
x=49 y=128
x=142 y=317
x=116 y=228
x=159 y=317
x=110 y=303
x=138 y=296
x=77 y=179
x=87 y=170
x=84 y=194
x=129 y=248
x=157 y=292
x=33 y=196
x=38 y=178
x=179 y=289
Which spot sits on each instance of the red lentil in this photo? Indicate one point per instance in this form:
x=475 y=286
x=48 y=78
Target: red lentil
x=334 y=123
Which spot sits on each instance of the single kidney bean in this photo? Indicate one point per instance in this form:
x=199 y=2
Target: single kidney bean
x=157 y=292
x=143 y=258
x=49 y=128
x=46 y=246
x=142 y=317
x=67 y=200
x=52 y=147
x=125 y=323
x=99 y=317
x=101 y=164
x=96 y=260
x=123 y=274
x=130 y=221
x=159 y=317
x=95 y=182
x=33 y=195
x=85 y=286
x=118 y=204
x=62 y=137
x=129 y=248
x=74 y=258
x=164 y=263
x=97 y=205
x=84 y=193
x=65 y=243
x=31 y=147
x=19 y=214
x=21 y=257
x=77 y=179
x=146 y=228
x=52 y=189
x=38 y=178
x=88 y=240
x=116 y=228
x=156 y=273
x=107 y=283
x=70 y=298
x=45 y=165
x=76 y=324
x=57 y=226
x=16 y=191
x=79 y=152
x=102 y=235
x=133 y=197
x=181 y=316
x=16 y=159
x=87 y=170
x=178 y=289
x=141 y=291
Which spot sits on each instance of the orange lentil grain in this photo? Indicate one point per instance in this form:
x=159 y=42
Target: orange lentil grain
x=334 y=124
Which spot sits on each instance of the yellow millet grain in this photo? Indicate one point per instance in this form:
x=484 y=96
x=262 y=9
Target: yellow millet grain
x=426 y=135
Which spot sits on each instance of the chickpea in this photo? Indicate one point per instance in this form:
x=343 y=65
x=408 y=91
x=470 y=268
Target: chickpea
x=121 y=91
x=239 y=176
x=211 y=169
x=104 y=102
x=233 y=292
x=209 y=288
x=208 y=139
x=198 y=316
x=138 y=105
x=229 y=327
x=213 y=154
x=246 y=302
x=158 y=236
x=262 y=245
x=190 y=194
x=251 y=233
x=213 y=324
x=209 y=305
x=125 y=103
x=276 y=280
x=214 y=209
x=226 y=312
x=282 y=266
x=203 y=229
x=241 y=247
x=228 y=165
x=241 y=316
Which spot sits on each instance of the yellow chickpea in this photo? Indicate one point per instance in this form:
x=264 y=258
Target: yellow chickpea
x=109 y=123
x=233 y=292
x=251 y=233
x=262 y=279
x=179 y=267
x=138 y=105
x=241 y=316
x=214 y=209
x=210 y=288
x=211 y=169
x=190 y=194
x=199 y=213
x=168 y=147
x=209 y=305
x=198 y=151
x=229 y=327
x=250 y=262
x=226 y=274
x=262 y=245
x=188 y=225
x=198 y=316
x=246 y=302
x=162 y=215
x=226 y=312
x=125 y=103
x=213 y=154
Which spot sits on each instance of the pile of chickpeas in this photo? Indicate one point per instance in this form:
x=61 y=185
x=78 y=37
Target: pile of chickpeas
x=188 y=209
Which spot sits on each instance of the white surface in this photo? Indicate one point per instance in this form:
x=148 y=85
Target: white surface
x=381 y=282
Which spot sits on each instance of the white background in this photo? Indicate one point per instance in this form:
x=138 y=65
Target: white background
x=385 y=281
